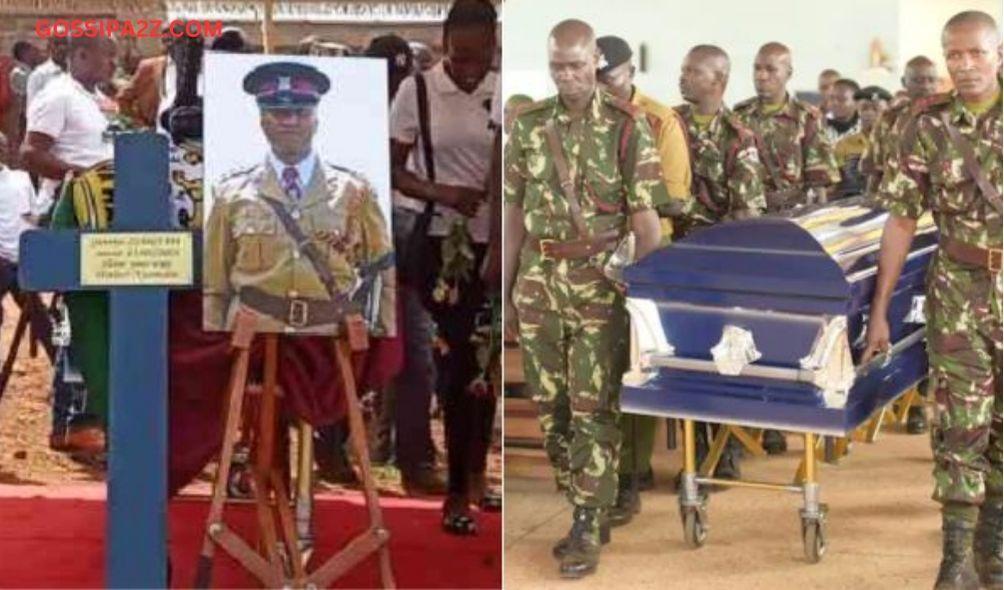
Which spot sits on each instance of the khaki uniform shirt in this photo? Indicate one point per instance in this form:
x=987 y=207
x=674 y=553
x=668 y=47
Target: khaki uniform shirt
x=247 y=246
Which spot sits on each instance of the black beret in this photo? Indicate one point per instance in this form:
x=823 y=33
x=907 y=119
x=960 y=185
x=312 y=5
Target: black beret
x=286 y=84
x=873 y=93
x=613 y=51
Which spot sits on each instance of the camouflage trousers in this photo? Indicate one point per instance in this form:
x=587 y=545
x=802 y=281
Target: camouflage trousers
x=573 y=331
x=964 y=347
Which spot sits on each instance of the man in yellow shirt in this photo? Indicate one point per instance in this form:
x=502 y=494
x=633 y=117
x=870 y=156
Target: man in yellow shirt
x=616 y=75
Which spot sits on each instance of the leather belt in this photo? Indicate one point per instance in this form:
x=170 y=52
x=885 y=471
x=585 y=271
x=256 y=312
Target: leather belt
x=297 y=312
x=572 y=249
x=988 y=258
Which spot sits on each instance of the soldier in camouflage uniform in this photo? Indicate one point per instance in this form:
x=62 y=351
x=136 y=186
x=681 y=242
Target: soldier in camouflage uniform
x=726 y=170
x=342 y=261
x=920 y=79
x=725 y=165
x=581 y=170
x=795 y=152
x=950 y=161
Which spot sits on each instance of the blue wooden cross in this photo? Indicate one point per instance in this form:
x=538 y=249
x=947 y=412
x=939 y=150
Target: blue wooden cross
x=136 y=548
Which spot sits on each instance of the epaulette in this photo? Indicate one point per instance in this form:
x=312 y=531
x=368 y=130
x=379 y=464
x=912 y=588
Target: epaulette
x=242 y=171
x=810 y=108
x=744 y=104
x=930 y=103
x=741 y=130
x=531 y=107
x=352 y=173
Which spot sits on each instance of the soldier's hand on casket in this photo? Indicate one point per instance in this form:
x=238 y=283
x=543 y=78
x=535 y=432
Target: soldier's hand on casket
x=511 y=322
x=465 y=200
x=877 y=338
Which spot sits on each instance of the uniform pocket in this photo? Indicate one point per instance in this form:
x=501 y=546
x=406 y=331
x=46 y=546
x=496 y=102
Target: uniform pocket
x=953 y=189
x=605 y=189
x=256 y=235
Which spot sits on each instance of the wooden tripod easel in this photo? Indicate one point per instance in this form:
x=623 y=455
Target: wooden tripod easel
x=271 y=496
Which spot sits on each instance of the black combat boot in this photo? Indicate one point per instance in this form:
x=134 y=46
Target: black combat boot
x=774 y=442
x=728 y=465
x=628 y=501
x=646 y=480
x=561 y=547
x=987 y=543
x=957 y=570
x=916 y=421
x=582 y=554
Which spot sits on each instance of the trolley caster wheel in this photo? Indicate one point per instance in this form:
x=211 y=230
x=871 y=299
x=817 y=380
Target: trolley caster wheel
x=695 y=531
x=813 y=540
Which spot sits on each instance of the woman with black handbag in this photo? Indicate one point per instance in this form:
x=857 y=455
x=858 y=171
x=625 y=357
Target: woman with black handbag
x=441 y=150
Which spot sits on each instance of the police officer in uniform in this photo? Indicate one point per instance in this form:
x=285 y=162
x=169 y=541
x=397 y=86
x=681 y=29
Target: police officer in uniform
x=581 y=170
x=616 y=75
x=950 y=162
x=298 y=240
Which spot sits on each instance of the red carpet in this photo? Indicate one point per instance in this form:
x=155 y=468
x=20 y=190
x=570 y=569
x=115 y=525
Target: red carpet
x=57 y=541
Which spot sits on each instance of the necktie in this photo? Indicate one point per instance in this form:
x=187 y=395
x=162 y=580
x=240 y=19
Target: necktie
x=291 y=182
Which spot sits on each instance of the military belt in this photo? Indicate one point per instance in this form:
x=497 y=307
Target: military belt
x=297 y=312
x=988 y=258
x=572 y=249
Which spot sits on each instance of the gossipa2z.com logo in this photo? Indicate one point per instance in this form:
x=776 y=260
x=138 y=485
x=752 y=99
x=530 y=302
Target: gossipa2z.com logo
x=140 y=28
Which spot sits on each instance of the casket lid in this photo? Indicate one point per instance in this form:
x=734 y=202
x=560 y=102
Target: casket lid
x=808 y=253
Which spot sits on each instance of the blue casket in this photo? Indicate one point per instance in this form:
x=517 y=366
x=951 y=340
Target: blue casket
x=761 y=322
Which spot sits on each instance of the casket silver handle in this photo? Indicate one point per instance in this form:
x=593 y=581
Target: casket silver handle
x=916 y=314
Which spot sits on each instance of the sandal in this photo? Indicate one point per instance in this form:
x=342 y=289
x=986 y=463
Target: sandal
x=456 y=519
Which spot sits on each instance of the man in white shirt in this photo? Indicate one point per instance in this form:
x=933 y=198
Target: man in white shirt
x=16 y=194
x=66 y=127
x=52 y=68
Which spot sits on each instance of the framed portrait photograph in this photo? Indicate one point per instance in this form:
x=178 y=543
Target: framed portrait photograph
x=297 y=193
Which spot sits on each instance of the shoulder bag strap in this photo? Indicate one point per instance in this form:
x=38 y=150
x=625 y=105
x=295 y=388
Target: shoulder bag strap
x=425 y=132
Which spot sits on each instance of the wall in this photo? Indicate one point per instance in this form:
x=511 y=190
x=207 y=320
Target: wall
x=820 y=34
